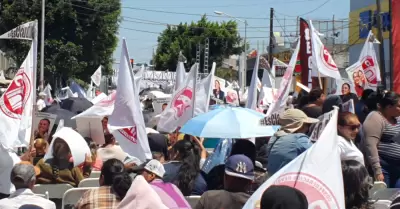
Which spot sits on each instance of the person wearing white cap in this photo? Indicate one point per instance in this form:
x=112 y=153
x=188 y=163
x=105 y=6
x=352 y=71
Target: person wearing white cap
x=170 y=195
x=40 y=102
x=290 y=141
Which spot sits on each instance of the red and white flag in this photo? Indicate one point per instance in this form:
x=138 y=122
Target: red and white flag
x=187 y=103
x=317 y=173
x=16 y=103
x=126 y=121
x=104 y=107
x=48 y=98
x=369 y=62
x=180 y=110
x=322 y=59
x=96 y=77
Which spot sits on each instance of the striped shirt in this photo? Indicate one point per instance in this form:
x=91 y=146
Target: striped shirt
x=381 y=140
x=389 y=145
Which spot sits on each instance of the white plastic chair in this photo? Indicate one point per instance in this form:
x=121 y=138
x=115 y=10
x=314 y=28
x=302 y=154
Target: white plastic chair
x=72 y=196
x=192 y=200
x=90 y=182
x=382 y=204
x=52 y=191
x=95 y=174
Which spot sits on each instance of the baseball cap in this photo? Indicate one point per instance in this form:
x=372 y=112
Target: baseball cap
x=154 y=166
x=22 y=174
x=240 y=166
x=293 y=119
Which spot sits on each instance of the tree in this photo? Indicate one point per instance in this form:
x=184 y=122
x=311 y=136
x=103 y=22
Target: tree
x=79 y=35
x=224 y=40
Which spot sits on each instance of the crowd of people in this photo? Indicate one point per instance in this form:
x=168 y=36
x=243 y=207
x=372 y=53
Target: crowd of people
x=369 y=146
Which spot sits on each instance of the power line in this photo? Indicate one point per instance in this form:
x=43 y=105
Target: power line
x=227 y=6
x=309 y=12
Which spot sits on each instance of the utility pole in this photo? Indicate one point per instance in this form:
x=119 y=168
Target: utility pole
x=41 y=86
x=271 y=36
x=381 y=48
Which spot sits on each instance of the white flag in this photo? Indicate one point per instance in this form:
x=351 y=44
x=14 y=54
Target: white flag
x=203 y=92
x=179 y=110
x=317 y=173
x=48 y=99
x=252 y=96
x=268 y=91
x=98 y=98
x=369 y=62
x=104 y=107
x=138 y=77
x=16 y=103
x=180 y=75
x=96 y=77
x=25 y=31
x=284 y=89
x=322 y=59
x=127 y=115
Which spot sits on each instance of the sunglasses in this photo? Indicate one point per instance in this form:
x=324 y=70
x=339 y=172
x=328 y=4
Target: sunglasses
x=353 y=127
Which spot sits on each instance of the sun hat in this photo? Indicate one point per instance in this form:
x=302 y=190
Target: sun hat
x=293 y=119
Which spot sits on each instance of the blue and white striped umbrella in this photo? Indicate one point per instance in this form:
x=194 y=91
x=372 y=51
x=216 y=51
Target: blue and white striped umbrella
x=229 y=122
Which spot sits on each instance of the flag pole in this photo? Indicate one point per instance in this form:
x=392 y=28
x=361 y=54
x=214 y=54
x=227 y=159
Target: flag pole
x=41 y=82
x=34 y=64
x=194 y=90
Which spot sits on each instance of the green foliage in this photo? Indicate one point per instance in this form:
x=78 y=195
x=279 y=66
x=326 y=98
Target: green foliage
x=79 y=35
x=227 y=74
x=224 y=40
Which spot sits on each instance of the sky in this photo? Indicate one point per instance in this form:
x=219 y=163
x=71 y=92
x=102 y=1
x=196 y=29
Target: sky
x=144 y=20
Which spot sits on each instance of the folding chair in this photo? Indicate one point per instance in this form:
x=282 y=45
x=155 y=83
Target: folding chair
x=52 y=191
x=90 y=182
x=72 y=196
x=192 y=200
x=95 y=174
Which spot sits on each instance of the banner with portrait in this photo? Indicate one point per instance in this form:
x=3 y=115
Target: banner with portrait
x=358 y=75
x=344 y=86
x=218 y=88
x=232 y=96
x=43 y=124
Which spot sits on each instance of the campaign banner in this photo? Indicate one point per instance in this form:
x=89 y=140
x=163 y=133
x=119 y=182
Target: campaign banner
x=43 y=124
x=25 y=31
x=348 y=106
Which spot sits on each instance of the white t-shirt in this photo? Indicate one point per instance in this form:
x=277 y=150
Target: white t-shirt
x=40 y=104
x=7 y=161
x=349 y=151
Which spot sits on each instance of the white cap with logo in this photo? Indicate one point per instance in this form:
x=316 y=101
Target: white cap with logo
x=154 y=166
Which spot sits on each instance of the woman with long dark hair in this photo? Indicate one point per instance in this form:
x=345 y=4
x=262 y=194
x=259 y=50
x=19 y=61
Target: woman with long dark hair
x=184 y=168
x=381 y=140
x=356 y=182
x=114 y=184
x=347 y=94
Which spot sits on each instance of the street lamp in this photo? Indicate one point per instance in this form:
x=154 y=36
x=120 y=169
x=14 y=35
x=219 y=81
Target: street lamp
x=245 y=42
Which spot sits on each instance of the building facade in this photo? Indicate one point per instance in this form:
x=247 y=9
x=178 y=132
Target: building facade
x=362 y=19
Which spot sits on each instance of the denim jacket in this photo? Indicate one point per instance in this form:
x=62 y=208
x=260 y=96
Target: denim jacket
x=283 y=149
